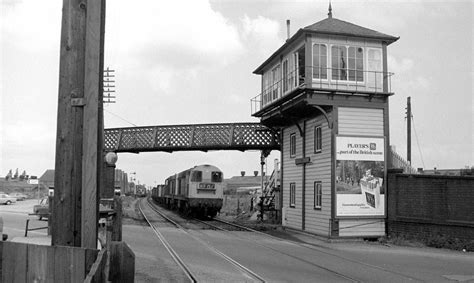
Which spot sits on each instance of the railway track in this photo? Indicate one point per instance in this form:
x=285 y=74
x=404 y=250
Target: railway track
x=323 y=250
x=169 y=248
x=228 y=227
x=193 y=277
x=222 y=225
x=219 y=224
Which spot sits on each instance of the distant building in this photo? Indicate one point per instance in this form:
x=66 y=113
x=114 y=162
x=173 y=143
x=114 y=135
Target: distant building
x=240 y=183
x=448 y=172
x=121 y=181
x=47 y=178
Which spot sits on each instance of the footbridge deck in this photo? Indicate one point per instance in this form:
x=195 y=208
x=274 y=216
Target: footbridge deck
x=201 y=137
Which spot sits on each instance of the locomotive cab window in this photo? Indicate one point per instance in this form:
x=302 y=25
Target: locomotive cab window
x=196 y=176
x=216 y=177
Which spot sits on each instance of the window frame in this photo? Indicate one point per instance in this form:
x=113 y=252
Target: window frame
x=196 y=176
x=293 y=194
x=318 y=141
x=346 y=69
x=214 y=174
x=318 y=195
x=285 y=75
x=379 y=76
x=292 y=145
x=354 y=70
x=319 y=55
x=295 y=70
x=267 y=92
x=276 y=81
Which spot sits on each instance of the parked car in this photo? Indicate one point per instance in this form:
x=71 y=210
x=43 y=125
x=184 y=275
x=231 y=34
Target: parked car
x=19 y=196
x=6 y=199
x=42 y=209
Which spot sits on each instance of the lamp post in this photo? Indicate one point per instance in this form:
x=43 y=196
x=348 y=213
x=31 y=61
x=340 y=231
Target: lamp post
x=133 y=179
x=110 y=160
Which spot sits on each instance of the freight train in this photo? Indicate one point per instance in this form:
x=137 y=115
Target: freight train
x=197 y=191
x=140 y=191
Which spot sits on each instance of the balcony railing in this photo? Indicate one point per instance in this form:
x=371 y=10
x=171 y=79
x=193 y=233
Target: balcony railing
x=324 y=79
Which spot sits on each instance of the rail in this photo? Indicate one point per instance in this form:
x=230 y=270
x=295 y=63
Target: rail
x=168 y=246
x=324 y=79
x=215 y=250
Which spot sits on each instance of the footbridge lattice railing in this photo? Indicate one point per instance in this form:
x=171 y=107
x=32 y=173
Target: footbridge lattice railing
x=203 y=137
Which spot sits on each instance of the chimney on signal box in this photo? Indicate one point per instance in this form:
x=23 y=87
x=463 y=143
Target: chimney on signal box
x=287 y=30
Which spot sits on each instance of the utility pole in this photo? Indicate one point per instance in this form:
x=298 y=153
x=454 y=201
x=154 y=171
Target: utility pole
x=79 y=143
x=408 y=117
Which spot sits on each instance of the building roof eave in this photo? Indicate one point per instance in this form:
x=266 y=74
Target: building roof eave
x=259 y=70
x=388 y=39
x=330 y=26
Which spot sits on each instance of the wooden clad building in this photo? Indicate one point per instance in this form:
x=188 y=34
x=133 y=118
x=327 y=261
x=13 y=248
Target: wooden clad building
x=326 y=89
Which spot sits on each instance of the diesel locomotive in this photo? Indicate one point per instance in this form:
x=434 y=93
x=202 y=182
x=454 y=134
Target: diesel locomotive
x=197 y=191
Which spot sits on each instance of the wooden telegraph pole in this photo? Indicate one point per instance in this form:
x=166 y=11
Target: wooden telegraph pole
x=79 y=140
x=409 y=130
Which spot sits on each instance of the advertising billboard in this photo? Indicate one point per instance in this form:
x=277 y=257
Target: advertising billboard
x=360 y=171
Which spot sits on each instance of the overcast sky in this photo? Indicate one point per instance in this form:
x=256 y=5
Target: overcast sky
x=184 y=62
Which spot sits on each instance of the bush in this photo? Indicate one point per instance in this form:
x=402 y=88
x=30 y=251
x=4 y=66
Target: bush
x=442 y=241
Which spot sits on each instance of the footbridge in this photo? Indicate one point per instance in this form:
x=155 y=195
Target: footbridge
x=198 y=137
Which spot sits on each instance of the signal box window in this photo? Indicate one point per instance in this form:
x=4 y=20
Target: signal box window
x=196 y=176
x=285 y=76
x=347 y=63
x=276 y=82
x=320 y=65
x=356 y=64
x=292 y=145
x=318 y=195
x=292 y=194
x=318 y=144
x=216 y=177
x=339 y=63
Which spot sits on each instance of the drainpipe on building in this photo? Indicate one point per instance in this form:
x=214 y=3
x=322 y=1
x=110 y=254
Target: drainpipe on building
x=281 y=179
x=303 y=186
x=262 y=163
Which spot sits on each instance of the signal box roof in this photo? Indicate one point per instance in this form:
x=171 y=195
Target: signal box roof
x=339 y=27
x=332 y=26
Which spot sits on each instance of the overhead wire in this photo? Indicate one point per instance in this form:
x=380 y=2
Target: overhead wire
x=123 y=119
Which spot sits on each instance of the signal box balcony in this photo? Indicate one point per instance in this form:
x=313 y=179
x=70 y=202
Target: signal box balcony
x=324 y=81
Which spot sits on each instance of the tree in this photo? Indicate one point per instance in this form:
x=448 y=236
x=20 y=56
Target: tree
x=16 y=174
x=9 y=175
x=23 y=175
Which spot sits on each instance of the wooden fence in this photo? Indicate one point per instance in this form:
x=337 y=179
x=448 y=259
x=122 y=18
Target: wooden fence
x=33 y=263
x=428 y=206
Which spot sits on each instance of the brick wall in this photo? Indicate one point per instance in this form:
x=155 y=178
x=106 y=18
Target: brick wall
x=427 y=206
